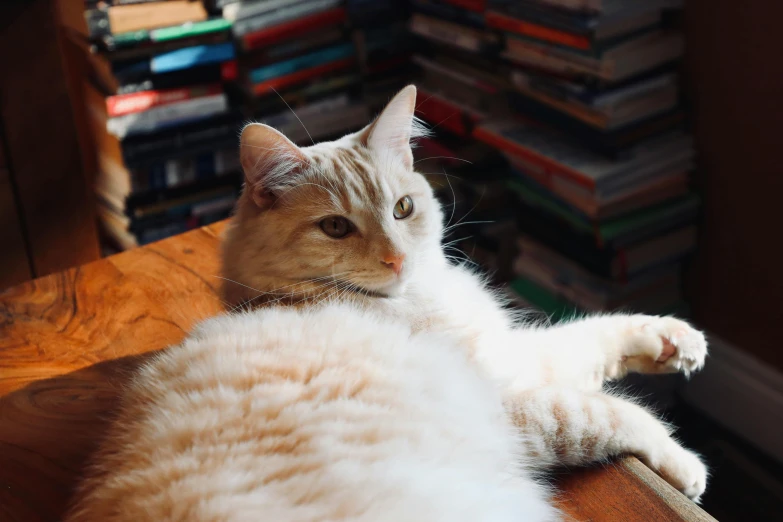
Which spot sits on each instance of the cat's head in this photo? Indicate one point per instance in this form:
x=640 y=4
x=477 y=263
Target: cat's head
x=351 y=210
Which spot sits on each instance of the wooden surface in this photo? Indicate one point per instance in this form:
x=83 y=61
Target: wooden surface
x=14 y=265
x=54 y=196
x=69 y=341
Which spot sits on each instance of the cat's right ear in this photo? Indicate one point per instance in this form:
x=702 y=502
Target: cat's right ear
x=267 y=158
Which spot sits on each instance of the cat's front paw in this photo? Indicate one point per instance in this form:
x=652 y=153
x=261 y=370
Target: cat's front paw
x=685 y=471
x=667 y=345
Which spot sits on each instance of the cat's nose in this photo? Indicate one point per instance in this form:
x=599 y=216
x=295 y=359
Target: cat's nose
x=394 y=262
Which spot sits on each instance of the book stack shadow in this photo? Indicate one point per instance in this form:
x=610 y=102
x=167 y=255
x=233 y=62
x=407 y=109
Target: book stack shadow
x=584 y=171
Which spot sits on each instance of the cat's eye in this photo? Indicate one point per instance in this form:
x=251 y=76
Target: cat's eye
x=403 y=208
x=336 y=226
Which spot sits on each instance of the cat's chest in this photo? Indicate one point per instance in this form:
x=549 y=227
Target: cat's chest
x=453 y=303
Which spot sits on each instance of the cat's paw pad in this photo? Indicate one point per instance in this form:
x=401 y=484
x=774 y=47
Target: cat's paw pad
x=686 y=472
x=674 y=345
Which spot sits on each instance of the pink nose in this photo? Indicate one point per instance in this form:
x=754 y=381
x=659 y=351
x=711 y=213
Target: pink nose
x=394 y=262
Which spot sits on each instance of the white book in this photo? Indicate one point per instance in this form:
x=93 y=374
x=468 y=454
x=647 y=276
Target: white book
x=283 y=14
x=158 y=117
x=446 y=32
x=242 y=10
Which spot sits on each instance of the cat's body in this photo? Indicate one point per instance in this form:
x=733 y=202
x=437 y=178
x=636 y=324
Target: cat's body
x=377 y=381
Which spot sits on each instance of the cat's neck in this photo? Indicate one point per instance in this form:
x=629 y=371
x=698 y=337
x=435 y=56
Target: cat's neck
x=273 y=291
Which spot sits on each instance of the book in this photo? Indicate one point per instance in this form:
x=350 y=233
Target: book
x=121 y=104
x=314 y=59
x=449 y=13
x=613 y=264
x=552 y=219
x=632 y=57
x=444 y=113
x=614 y=142
x=241 y=10
x=185 y=139
x=270 y=54
x=292 y=29
x=169 y=178
x=168 y=115
x=619 y=17
x=572 y=198
x=282 y=14
x=556 y=155
x=303 y=75
x=599 y=96
x=562 y=296
x=135 y=17
x=172 y=61
x=623 y=109
x=461 y=36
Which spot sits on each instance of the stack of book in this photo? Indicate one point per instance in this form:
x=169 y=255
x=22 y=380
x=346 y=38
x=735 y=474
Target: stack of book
x=298 y=55
x=162 y=120
x=581 y=98
x=384 y=47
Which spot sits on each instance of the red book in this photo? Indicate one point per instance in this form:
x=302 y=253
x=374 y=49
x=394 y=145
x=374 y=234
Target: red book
x=545 y=164
x=121 y=104
x=540 y=32
x=293 y=28
x=281 y=82
x=477 y=6
x=442 y=114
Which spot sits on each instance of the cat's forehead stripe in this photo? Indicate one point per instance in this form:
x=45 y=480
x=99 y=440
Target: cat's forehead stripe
x=355 y=167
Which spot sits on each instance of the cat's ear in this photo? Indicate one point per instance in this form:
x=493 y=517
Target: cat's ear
x=392 y=131
x=267 y=158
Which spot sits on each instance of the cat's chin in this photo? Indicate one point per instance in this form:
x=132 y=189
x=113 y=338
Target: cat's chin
x=391 y=289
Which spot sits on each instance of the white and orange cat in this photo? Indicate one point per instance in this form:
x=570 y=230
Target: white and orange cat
x=377 y=381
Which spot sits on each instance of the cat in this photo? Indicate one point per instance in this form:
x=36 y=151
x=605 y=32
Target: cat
x=367 y=377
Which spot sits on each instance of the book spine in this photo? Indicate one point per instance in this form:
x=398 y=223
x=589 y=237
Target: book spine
x=159 y=117
x=448 y=33
x=542 y=162
x=242 y=10
x=301 y=76
x=188 y=30
x=506 y=23
x=477 y=6
x=282 y=15
x=191 y=57
x=302 y=62
x=293 y=29
x=122 y=104
x=127 y=18
x=439 y=112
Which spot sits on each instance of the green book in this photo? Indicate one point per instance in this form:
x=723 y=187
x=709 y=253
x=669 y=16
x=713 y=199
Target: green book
x=189 y=30
x=611 y=229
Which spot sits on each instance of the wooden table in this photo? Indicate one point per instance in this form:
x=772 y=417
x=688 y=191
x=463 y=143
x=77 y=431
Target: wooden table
x=68 y=342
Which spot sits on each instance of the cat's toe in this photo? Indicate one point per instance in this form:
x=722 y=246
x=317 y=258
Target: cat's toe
x=684 y=347
x=686 y=472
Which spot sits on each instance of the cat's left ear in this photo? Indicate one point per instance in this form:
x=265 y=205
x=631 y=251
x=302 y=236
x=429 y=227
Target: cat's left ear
x=392 y=131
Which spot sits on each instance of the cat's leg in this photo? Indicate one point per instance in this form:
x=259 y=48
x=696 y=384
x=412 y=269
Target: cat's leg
x=563 y=426
x=588 y=352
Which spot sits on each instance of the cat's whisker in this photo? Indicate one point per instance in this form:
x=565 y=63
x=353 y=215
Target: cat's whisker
x=461 y=224
x=295 y=116
x=443 y=157
x=453 y=199
x=455 y=241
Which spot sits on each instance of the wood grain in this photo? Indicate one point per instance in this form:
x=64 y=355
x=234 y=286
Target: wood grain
x=69 y=341
x=14 y=265
x=54 y=196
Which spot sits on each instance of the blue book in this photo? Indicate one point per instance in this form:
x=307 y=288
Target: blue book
x=191 y=57
x=307 y=61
